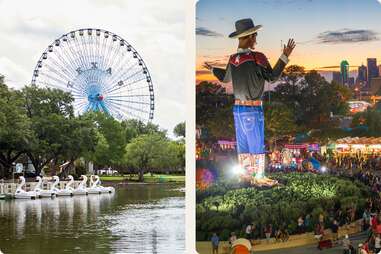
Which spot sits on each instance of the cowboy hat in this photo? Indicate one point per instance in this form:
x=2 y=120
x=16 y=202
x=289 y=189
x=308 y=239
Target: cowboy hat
x=244 y=27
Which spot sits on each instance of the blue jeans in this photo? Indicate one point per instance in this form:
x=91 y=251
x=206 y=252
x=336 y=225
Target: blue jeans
x=249 y=127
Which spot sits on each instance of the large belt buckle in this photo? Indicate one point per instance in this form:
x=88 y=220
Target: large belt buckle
x=248 y=103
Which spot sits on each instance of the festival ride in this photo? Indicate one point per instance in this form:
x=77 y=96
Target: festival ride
x=101 y=70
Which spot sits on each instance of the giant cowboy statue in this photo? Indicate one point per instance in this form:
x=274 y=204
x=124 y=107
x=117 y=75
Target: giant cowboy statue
x=248 y=70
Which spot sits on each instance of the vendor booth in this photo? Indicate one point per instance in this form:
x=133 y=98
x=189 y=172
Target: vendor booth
x=358 y=146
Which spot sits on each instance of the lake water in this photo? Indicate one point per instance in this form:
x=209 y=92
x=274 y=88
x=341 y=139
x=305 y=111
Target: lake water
x=135 y=219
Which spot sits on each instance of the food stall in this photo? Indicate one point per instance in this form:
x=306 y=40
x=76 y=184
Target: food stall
x=358 y=146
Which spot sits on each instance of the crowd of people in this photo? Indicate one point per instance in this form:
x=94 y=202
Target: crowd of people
x=360 y=168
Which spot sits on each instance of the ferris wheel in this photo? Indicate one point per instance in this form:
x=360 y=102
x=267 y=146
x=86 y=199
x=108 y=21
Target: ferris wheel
x=102 y=71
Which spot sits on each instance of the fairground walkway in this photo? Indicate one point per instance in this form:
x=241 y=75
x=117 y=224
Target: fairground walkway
x=295 y=244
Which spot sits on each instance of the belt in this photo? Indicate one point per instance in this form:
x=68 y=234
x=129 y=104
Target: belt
x=248 y=103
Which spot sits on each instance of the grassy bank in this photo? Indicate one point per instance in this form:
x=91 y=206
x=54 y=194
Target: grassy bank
x=148 y=178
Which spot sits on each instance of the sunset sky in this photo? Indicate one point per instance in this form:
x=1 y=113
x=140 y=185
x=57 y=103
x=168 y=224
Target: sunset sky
x=326 y=31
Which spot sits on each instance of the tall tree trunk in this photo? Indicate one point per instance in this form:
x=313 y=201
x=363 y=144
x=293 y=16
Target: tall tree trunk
x=141 y=175
x=6 y=161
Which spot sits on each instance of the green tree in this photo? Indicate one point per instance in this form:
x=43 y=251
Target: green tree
x=52 y=121
x=214 y=111
x=133 y=128
x=81 y=141
x=179 y=130
x=111 y=140
x=371 y=118
x=311 y=98
x=173 y=157
x=144 y=152
x=15 y=130
x=279 y=121
x=40 y=102
x=100 y=156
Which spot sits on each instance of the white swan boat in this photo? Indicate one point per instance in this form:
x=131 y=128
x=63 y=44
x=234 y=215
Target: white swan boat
x=81 y=189
x=94 y=189
x=41 y=192
x=103 y=188
x=22 y=194
x=68 y=190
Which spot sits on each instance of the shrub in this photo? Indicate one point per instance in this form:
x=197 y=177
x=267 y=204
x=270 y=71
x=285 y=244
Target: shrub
x=230 y=206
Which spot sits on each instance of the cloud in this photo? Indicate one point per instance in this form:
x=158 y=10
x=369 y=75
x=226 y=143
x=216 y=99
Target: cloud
x=206 y=32
x=14 y=73
x=347 y=36
x=28 y=27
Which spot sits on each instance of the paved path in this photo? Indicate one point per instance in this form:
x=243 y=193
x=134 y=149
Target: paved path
x=312 y=249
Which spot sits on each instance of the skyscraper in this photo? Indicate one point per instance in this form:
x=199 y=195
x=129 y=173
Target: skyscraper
x=336 y=77
x=344 y=70
x=362 y=73
x=351 y=81
x=372 y=69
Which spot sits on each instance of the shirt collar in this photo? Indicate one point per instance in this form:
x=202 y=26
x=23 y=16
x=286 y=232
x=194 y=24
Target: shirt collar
x=240 y=50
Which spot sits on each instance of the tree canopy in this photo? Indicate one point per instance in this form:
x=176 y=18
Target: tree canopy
x=39 y=124
x=302 y=101
x=153 y=151
x=179 y=130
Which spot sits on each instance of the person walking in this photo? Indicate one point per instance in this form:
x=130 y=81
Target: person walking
x=377 y=243
x=346 y=245
x=268 y=231
x=300 y=229
x=232 y=239
x=249 y=231
x=335 y=230
x=361 y=249
x=215 y=242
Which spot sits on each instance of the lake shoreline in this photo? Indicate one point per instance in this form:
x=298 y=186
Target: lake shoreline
x=116 y=183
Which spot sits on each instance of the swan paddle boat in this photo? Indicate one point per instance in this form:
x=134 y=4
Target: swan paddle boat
x=103 y=188
x=41 y=193
x=94 y=189
x=81 y=189
x=68 y=190
x=21 y=193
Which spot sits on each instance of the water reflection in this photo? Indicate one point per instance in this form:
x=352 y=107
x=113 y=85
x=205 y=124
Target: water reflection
x=136 y=219
x=156 y=227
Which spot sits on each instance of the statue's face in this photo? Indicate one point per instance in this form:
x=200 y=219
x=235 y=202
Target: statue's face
x=253 y=40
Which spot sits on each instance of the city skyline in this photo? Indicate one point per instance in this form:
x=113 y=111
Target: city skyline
x=321 y=42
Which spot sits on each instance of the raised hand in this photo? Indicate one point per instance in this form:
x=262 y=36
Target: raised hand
x=290 y=46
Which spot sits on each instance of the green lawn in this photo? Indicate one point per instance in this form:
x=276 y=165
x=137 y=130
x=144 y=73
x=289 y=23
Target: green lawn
x=148 y=178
